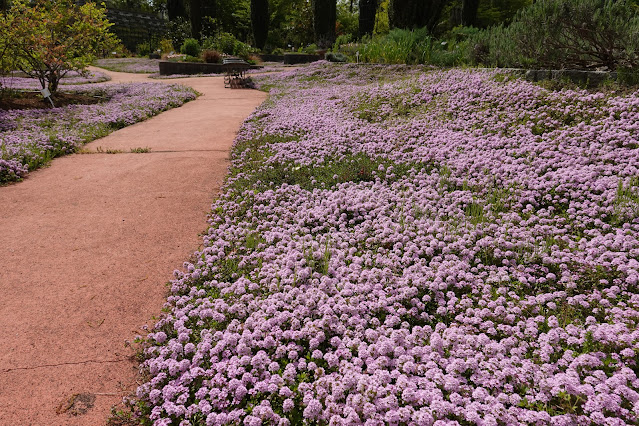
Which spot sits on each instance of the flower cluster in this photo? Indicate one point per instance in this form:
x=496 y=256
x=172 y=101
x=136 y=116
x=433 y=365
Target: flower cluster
x=30 y=138
x=413 y=246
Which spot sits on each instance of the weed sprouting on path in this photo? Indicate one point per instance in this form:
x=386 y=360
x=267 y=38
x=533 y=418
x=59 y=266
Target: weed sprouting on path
x=405 y=245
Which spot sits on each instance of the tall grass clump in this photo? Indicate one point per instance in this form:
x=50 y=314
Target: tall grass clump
x=398 y=47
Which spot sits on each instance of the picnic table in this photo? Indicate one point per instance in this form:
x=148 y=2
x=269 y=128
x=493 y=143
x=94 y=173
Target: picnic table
x=235 y=72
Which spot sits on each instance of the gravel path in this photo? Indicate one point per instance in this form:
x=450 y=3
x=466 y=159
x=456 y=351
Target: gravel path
x=87 y=244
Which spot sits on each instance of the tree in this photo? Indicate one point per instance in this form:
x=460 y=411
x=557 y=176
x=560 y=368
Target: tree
x=175 y=9
x=52 y=37
x=367 y=12
x=195 y=15
x=324 y=18
x=469 y=12
x=5 y=44
x=259 y=22
x=291 y=23
x=411 y=14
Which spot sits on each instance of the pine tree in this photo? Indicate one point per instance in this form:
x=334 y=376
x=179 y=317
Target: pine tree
x=367 y=11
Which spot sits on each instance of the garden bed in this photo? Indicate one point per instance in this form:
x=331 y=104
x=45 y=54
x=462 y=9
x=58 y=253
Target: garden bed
x=400 y=245
x=30 y=138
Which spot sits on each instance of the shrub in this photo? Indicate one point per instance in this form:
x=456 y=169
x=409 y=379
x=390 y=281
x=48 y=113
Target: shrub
x=336 y=57
x=578 y=34
x=228 y=44
x=143 y=49
x=222 y=42
x=166 y=46
x=311 y=49
x=191 y=47
x=342 y=39
x=211 y=56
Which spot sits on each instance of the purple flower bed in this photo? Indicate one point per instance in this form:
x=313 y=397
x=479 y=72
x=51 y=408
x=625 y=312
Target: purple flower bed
x=133 y=65
x=30 y=138
x=411 y=246
x=72 y=77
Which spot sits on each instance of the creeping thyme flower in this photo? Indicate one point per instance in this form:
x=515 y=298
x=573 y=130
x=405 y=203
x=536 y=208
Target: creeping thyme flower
x=413 y=246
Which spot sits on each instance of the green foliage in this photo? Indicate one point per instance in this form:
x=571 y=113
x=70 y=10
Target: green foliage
x=166 y=46
x=178 y=31
x=48 y=39
x=341 y=40
x=227 y=43
x=6 y=58
x=143 y=49
x=191 y=47
x=571 y=34
x=291 y=24
x=398 y=47
x=347 y=23
x=382 y=24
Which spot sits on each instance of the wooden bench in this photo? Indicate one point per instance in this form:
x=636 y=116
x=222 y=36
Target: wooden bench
x=235 y=72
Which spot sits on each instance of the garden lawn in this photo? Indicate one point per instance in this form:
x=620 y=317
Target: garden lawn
x=412 y=246
x=31 y=138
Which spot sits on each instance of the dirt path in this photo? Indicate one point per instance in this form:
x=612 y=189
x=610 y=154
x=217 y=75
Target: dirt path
x=86 y=247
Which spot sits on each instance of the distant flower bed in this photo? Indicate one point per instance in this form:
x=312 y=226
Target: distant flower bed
x=30 y=138
x=409 y=246
x=72 y=77
x=132 y=65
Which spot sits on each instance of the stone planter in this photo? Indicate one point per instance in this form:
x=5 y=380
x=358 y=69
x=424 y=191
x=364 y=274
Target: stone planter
x=190 y=68
x=300 y=58
x=271 y=58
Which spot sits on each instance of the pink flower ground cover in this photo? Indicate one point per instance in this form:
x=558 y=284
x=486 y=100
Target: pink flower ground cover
x=412 y=247
x=30 y=138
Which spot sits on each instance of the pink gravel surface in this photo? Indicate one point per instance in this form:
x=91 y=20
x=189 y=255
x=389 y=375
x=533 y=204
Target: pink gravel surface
x=87 y=244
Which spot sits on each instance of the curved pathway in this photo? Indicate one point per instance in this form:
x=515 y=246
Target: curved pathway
x=87 y=245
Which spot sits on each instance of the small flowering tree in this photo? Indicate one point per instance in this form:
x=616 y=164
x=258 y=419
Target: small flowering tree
x=51 y=38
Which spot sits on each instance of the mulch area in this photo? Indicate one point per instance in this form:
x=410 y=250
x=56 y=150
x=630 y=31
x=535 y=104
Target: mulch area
x=34 y=100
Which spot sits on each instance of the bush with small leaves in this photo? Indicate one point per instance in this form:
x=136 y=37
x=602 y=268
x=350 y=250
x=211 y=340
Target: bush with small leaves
x=191 y=47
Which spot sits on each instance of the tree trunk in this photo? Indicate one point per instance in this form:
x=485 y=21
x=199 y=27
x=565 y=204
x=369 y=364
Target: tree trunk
x=174 y=9
x=367 y=11
x=411 y=14
x=195 y=13
x=324 y=18
x=259 y=22
x=469 y=12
